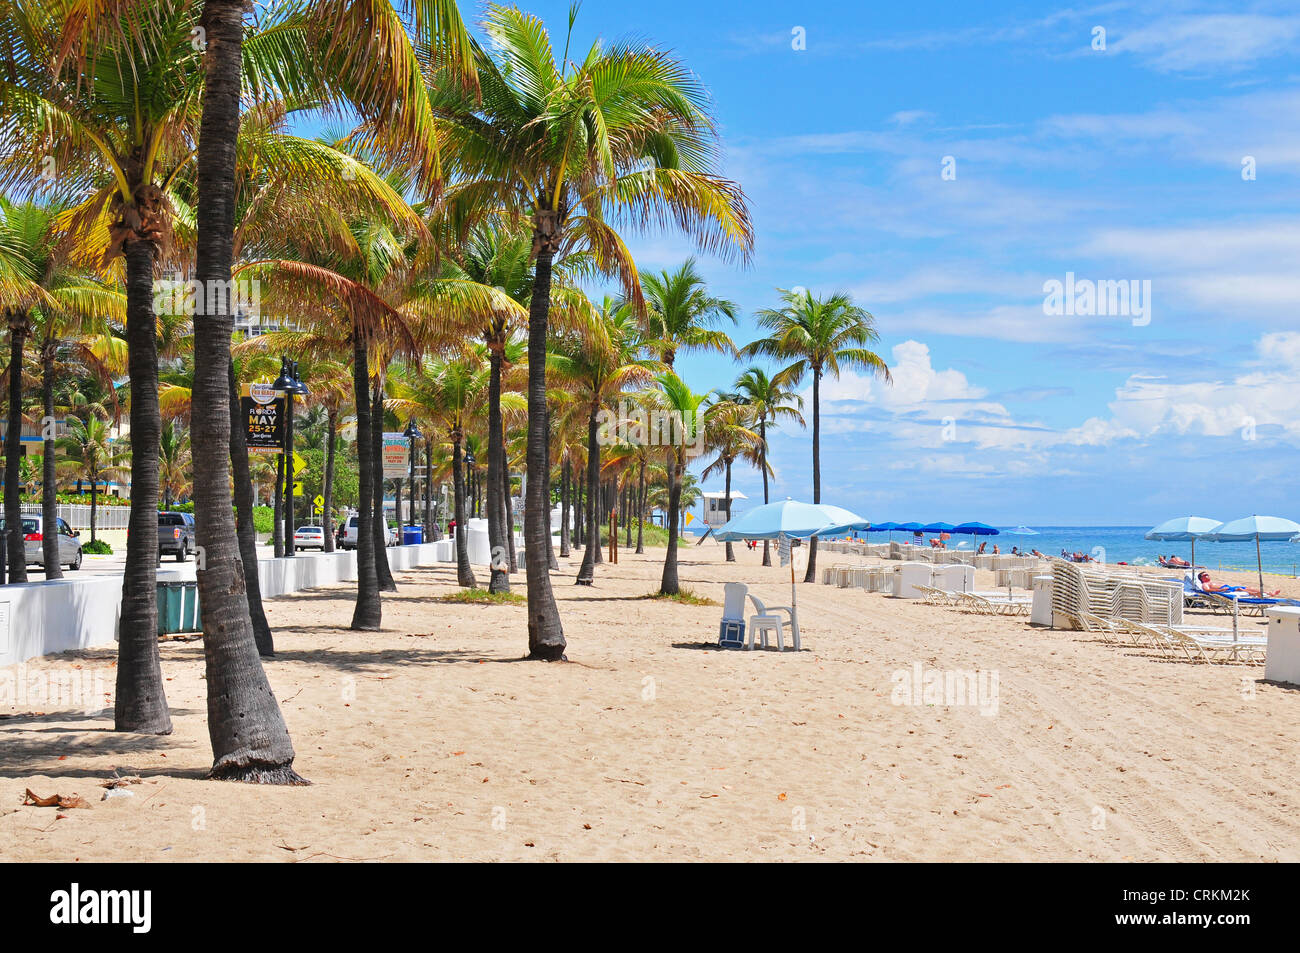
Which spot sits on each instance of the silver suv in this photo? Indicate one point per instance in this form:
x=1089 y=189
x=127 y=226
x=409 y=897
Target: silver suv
x=34 y=542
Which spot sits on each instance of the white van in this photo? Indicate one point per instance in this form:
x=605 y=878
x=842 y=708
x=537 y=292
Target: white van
x=351 y=529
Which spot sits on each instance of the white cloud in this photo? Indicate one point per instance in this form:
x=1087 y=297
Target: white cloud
x=1232 y=41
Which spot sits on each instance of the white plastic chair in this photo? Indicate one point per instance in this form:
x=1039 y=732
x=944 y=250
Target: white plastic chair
x=766 y=621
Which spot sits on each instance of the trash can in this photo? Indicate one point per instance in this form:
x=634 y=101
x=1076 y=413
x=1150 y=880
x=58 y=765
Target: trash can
x=412 y=535
x=178 y=606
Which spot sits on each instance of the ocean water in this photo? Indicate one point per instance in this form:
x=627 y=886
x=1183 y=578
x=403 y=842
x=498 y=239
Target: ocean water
x=1125 y=544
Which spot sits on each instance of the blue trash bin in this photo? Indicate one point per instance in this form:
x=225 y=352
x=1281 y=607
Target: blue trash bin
x=412 y=535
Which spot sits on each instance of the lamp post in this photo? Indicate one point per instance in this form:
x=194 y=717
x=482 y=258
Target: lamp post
x=289 y=384
x=412 y=434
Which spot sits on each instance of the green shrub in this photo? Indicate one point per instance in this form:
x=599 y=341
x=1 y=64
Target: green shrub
x=97 y=547
x=264 y=519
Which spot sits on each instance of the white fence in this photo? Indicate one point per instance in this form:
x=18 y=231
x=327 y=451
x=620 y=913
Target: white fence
x=77 y=515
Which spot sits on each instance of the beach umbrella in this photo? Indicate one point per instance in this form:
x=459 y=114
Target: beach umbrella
x=1258 y=528
x=938 y=528
x=793 y=520
x=887 y=527
x=912 y=527
x=1022 y=531
x=1183 y=528
x=976 y=529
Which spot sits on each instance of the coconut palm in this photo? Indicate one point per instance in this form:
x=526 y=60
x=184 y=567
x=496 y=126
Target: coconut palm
x=728 y=433
x=771 y=400
x=607 y=360
x=175 y=461
x=89 y=446
x=682 y=314
x=444 y=392
x=689 y=412
x=620 y=135
x=820 y=336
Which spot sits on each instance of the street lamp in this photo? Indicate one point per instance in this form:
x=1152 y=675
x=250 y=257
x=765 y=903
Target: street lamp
x=289 y=384
x=412 y=434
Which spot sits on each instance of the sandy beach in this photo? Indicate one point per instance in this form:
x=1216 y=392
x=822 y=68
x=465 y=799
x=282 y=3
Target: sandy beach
x=433 y=740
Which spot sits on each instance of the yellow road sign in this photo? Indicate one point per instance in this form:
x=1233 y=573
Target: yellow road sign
x=319 y=501
x=297 y=488
x=299 y=463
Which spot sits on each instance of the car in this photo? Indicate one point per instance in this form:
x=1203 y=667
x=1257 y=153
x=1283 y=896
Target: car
x=34 y=542
x=351 y=529
x=309 y=537
x=176 y=535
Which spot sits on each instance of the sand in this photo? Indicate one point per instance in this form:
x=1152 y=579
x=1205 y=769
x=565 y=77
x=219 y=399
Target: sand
x=433 y=740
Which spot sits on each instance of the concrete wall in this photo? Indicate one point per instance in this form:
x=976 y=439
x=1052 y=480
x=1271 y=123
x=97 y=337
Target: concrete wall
x=41 y=618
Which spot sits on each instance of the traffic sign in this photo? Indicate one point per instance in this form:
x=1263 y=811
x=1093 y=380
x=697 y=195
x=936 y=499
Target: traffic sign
x=319 y=501
x=297 y=488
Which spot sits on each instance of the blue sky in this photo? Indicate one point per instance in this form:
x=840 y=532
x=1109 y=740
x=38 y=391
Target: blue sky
x=1117 y=164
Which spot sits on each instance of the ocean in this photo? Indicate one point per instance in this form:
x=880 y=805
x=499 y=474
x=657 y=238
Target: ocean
x=1115 y=544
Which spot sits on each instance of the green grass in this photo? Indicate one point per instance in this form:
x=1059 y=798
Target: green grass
x=483 y=597
x=685 y=598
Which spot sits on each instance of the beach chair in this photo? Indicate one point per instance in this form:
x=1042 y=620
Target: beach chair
x=766 y=621
x=731 y=631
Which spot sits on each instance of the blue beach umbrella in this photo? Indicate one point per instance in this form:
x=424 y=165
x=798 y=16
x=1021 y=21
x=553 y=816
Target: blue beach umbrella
x=1022 y=531
x=976 y=529
x=1184 y=528
x=938 y=528
x=1257 y=528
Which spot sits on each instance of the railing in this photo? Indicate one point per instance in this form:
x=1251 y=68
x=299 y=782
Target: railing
x=77 y=515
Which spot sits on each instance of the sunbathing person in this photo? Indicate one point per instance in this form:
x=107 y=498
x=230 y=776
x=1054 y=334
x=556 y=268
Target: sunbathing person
x=1038 y=554
x=1207 y=586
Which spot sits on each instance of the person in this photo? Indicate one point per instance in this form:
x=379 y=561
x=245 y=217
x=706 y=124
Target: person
x=996 y=551
x=1175 y=563
x=1207 y=586
x=1038 y=554
x=1015 y=550
x=983 y=546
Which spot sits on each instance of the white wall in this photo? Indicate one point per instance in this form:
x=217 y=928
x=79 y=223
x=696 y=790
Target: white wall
x=41 y=618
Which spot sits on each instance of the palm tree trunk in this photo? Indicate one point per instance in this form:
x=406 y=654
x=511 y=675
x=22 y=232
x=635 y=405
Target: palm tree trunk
x=49 y=480
x=499 y=561
x=18 y=324
x=545 y=631
x=380 y=525
x=731 y=553
x=249 y=739
x=327 y=517
x=564 y=508
x=587 y=571
x=464 y=571
x=368 y=613
x=811 y=574
x=552 y=563
x=599 y=495
x=140 y=701
x=762 y=462
x=669 y=585
x=640 y=512
x=244 y=527
x=94 y=503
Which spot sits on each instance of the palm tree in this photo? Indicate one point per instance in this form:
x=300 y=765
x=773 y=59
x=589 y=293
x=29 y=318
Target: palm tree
x=444 y=392
x=621 y=134
x=600 y=365
x=690 y=410
x=682 y=314
x=230 y=649
x=729 y=435
x=821 y=336
x=88 y=445
x=174 y=462
x=772 y=401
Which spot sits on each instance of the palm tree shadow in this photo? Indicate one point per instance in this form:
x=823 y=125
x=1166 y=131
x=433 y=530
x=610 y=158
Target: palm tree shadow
x=362 y=661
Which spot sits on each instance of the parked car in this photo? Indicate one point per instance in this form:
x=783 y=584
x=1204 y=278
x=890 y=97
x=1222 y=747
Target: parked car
x=34 y=539
x=309 y=537
x=176 y=535
x=350 y=532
